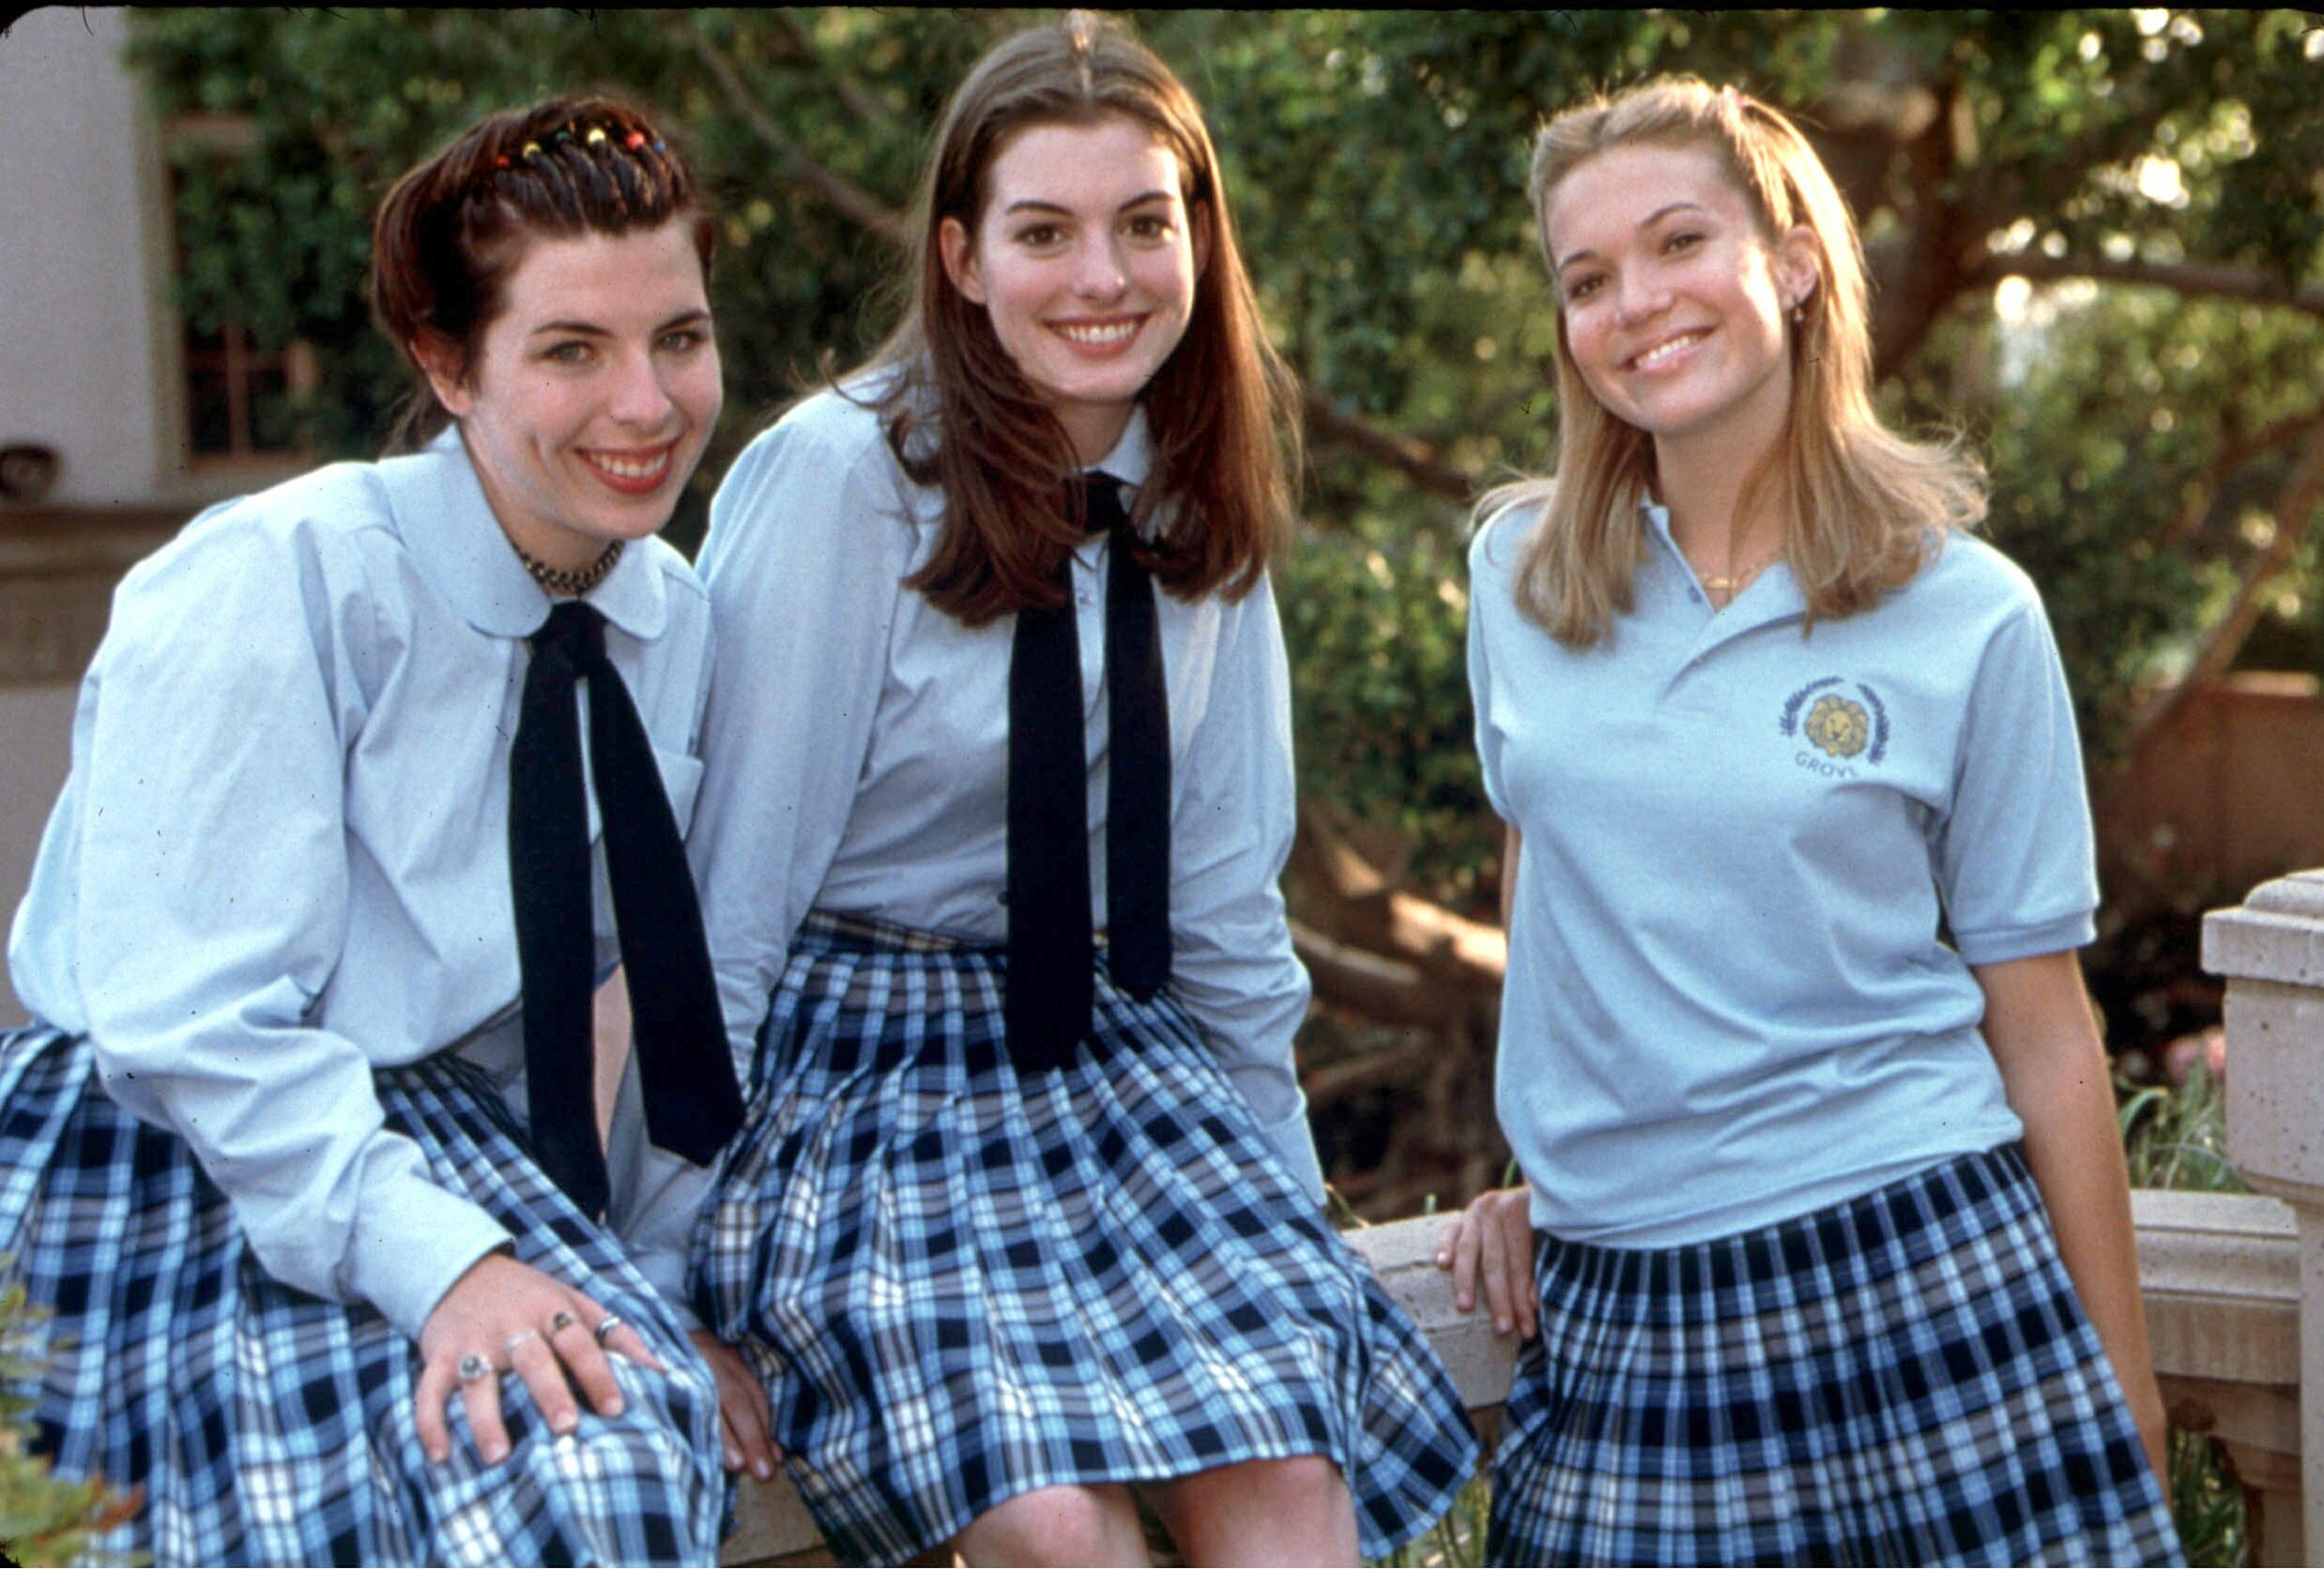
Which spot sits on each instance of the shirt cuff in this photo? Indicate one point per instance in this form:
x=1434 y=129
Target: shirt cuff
x=437 y=1236
x=1997 y=945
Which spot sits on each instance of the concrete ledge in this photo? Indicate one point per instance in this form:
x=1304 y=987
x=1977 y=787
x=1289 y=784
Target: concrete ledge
x=2221 y=1273
x=2276 y=935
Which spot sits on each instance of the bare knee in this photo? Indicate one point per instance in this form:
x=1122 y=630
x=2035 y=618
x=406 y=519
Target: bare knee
x=1072 y=1525
x=1294 y=1511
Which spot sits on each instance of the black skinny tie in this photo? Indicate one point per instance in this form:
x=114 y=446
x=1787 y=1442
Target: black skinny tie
x=693 y=1103
x=1051 y=954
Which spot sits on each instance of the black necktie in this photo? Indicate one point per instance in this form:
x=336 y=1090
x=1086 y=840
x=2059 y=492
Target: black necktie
x=693 y=1103
x=1050 y=954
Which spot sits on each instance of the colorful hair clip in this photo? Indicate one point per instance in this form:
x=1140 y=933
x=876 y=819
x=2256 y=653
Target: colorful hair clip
x=657 y=146
x=500 y=162
x=635 y=140
x=596 y=137
x=564 y=134
x=532 y=150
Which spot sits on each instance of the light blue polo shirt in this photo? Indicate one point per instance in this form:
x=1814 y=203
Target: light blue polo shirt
x=1728 y=1002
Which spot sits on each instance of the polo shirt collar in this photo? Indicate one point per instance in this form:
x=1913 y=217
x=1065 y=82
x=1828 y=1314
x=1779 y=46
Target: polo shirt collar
x=1773 y=596
x=448 y=526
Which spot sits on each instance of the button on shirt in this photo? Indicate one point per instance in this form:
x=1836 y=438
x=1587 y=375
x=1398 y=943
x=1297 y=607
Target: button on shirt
x=1728 y=1002
x=280 y=860
x=857 y=746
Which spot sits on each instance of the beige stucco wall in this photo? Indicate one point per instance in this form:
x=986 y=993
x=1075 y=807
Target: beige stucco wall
x=35 y=746
x=84 y=329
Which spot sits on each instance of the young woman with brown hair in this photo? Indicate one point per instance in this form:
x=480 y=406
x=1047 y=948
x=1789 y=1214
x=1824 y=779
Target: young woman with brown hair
x=1825 y=1232
x=302 y=1152
x=998 y=791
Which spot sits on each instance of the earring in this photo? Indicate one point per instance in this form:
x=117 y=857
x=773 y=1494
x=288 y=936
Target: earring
x=1799 y=314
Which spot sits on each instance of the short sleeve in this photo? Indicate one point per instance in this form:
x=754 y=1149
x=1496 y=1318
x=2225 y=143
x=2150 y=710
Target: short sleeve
x=2014 y=854
x=1488 y=588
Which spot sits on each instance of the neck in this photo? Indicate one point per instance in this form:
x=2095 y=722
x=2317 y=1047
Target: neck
x=1093 y=430
x=1701 y=481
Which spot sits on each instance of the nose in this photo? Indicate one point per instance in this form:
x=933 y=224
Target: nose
x=639 y=394
x=1638 y=297
x=1097 y=271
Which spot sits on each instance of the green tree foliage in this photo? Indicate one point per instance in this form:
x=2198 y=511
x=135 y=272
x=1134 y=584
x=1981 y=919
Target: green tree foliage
x=43 y=1520
x=2098 y=238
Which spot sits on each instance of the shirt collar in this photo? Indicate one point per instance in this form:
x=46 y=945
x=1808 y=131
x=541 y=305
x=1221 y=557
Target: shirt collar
x=1132 y=456
x=449 y=528
x=1773 y=596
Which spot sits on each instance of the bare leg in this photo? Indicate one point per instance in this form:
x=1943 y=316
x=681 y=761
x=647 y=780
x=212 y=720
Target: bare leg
x=1094 y=1524
x=1289 y=1512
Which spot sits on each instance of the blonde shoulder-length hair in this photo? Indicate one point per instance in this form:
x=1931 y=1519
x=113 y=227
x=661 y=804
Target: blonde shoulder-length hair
x=1860 y=503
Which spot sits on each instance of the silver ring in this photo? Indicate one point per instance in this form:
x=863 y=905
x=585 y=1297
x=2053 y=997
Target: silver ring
x=517 y=1340
x=606 y=1326
x=560 y=1321
x=473 y=1367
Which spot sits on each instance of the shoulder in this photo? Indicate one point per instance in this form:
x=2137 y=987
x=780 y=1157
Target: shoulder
x=1966 y=581
x=840 y=429
x=681 y=585
x=315 y=526
x=1506 y=519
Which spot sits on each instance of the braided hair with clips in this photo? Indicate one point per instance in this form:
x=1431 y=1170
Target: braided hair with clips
x=450 y=233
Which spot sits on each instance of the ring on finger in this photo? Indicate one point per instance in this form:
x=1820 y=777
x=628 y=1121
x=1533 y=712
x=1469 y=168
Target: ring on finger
x=560 y=1321
x=606 y=1326
x=472 y=1367
x=518 y=1339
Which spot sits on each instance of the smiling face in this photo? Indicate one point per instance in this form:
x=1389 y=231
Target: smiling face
x=588 y=403
x=1674 y=300
x=1085 y=258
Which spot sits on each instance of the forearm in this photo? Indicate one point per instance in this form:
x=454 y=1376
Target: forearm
x=2055 y=1075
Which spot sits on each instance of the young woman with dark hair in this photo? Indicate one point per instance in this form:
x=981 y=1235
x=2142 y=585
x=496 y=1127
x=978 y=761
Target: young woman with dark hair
x=998 y=788
x=1825 y=1232
x=302 y=1150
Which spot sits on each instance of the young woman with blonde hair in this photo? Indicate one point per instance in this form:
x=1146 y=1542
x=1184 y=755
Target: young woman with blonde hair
x=1027 y=1215
x=1823 y=1248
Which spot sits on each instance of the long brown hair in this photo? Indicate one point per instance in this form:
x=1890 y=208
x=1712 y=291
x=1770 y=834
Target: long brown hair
x=449 y=232
x=1222 y=408
x=1857 y=501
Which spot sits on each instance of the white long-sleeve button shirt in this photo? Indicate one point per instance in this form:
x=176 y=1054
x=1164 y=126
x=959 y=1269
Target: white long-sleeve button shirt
x=856 y=749
x=280 y=860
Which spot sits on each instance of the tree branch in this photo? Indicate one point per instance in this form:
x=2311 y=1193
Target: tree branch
x=2188 y=278
x=2295 y=506
x=1417 y=461
x=860 y=205
x=2235 y=451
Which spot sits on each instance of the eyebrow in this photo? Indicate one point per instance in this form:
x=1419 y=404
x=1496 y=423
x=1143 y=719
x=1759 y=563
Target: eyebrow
x=1032 y=203
x=1644 y=224
x=591 y=329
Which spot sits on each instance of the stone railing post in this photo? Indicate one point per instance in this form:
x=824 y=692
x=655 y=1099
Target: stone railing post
x=2270 y=949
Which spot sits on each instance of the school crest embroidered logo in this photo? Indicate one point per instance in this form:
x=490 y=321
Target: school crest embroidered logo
x=1839 y=726
x=1836 y=725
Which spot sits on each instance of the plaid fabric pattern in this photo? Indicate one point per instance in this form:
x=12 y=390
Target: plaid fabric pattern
x=1904 y=1378
x=961 y=1285
x=270 y=1426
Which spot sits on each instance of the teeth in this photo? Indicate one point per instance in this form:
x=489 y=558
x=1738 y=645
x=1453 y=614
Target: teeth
x=631 y=468
x=1661 y=352
x=1111 y=333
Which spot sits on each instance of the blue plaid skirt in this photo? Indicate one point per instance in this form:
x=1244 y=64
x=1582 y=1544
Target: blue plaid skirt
x=961 y=1285
x=270 y=1426
x=1902 y=1378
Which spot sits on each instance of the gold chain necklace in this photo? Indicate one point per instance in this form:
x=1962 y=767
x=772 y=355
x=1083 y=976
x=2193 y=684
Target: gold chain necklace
x=558 y=580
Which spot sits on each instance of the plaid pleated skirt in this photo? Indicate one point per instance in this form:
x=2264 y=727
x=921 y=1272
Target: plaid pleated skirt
x=271 y=1426
x=1901 y=1379
x=962 y=1284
